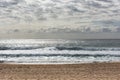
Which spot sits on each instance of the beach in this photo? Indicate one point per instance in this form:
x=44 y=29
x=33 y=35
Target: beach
x=86 y=71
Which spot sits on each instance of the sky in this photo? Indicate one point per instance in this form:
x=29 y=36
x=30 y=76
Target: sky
x=44 y=18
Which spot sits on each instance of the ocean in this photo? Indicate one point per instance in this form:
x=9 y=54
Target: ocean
x=59 y=51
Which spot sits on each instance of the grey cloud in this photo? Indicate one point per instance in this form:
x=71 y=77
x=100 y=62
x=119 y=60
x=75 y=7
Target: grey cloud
x=118 y=29
x=6 y=4
x=106 y=1
x=41 y=18
x=16 y=30
x=95 y=12
x=108 y=23
x=106 y=30
x=39 y=12
x=9 y=3
x=75 y=9
x=77 y=1
x=54 y=8
x=56 y=1
x=97 y=4
x=28 y=19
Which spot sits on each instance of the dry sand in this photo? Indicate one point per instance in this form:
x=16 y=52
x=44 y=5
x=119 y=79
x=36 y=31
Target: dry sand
x=93 y=71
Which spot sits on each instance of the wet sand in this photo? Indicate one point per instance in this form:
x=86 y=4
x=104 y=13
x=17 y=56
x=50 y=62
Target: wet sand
x=91 y=71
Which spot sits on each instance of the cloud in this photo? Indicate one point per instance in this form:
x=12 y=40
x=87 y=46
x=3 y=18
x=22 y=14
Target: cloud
x=100 y=3
x=9 y=3
x=108 y=23
x=106 y=30
x=94 y=14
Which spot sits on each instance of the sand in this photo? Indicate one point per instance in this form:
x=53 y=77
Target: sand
x=91 y=71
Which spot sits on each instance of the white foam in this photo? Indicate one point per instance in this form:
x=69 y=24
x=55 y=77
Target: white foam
x=51 y=51
x=59 y=59
x=111 y=54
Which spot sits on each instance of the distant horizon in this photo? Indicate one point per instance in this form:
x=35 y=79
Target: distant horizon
x=81 y=35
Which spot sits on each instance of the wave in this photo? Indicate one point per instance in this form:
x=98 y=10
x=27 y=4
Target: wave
x=60 y=45
x=59 y=51
x=51 y=58
x=63 y=55
x=18 y=48
x=60 y=48
x=89 y=48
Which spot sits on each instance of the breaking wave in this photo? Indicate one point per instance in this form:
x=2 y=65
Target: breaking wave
x=59 y=51
x=77 y=48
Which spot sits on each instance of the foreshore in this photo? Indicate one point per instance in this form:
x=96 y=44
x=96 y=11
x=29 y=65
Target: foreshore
x=87 y=71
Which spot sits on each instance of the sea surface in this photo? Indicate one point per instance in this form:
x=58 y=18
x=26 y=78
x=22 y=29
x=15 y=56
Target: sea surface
x=58 y=51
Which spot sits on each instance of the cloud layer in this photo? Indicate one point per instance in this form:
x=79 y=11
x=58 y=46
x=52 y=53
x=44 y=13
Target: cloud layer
x=73 y=14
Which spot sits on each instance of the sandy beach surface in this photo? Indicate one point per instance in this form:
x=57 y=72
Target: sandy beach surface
x=91 y=71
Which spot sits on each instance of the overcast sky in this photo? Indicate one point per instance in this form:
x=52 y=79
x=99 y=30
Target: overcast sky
x=24 y=17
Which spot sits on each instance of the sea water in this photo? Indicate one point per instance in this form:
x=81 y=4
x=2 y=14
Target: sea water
x=58 y=51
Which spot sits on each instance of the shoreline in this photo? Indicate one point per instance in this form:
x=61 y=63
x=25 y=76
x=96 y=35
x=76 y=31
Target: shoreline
x=84 y=63
x=86 y=71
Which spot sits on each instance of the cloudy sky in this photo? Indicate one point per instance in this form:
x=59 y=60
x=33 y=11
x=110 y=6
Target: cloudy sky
x=34 y=17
